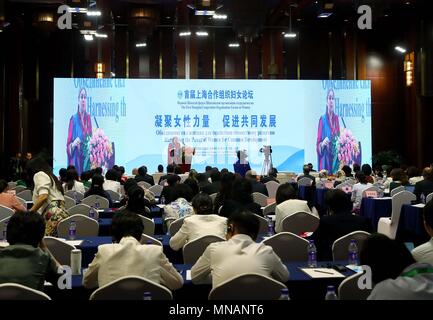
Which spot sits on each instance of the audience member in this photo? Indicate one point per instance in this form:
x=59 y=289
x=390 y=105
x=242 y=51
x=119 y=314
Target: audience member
x=366 y=170
x=241 y=198
x=143 y=176
x=112 y=181
x=399 y=178
x=97 y=189
x=137 y=203
x=358 y=189
x=72 y=183
x=257 y=186
x=424 y=187
x=181 y=206
x=424 y=252
x=9 y=200
x=306 y=174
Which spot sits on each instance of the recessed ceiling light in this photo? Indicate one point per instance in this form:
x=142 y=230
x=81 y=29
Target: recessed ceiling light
x=88 y=37
x=234 y=45
x=290 y=35
x=184 y=34
x=141 y=45
x=202 y=33
x=400 y=49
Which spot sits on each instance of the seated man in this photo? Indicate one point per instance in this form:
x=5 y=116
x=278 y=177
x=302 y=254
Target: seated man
x=424 y=252
x=395 y=276
x=338 y=223
x=306 y=174
x=127 y=257
x=251 y=176
x=239 y=254
x=26 y=260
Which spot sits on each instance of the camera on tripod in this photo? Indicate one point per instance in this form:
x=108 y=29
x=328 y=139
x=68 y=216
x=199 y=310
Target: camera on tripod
x=266 y=150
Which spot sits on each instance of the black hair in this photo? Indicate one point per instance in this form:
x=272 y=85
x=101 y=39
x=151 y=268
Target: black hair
x=98 y=170
x=126 y=224
x=129 y=184
x=183 y=191
x=208 y=168
x=3 y=185
x=245 y=222
x=71 y=167
x=112 y=175
x=160 y=168
x=226 y=185
x=97 y=186
x=122 y=170
x=38 y=164
x=136 y=201
x=347 y=171
x=173 y=179
x=202 y=204
x=201 y=177
x=86 y=175
x=285 y=192
x=387 y=258
x=224 y=170
x=25 y=228
x=62 y=174
x=170 y=168
x=215 y=175
x=192 y=183
x=306 y=169
x=71 y=177
x=273 y=172
x=361 y=177
x=142 y=171
x=338 y=202
x=413 y=172
x=241 y=191
x=356 y=167
x=366 y=169
x=428 y=214
x=177 y=170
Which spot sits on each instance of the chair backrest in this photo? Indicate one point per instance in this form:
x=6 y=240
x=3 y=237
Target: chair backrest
x=23 y=202
x=86 y=227
x=269 y=209
x=131 y=288
x=12 y=185
x=340 y=247
x=349 y=289
x=272 y=187
x=156 y=190
x=60 y=250
x=288 y=246
x=149 y=225
x=195 y=248
x=74 y=195
x=248 y=286
x=213 y=197
x=19 y=189
x=263 y=224
x=300 y=222
x=398 y=200
x=69 y=202
x=113 y=195
x=15 y=291
x=260 y=199
x=372 y=188
x=25 y=194
x=5 y=212
x=183 y=177
x=81 y=208
x=163 y=183
x=175 y=226
x=145 y=239
x=156 y=176
x=305 y=182
x=396 y=190
x=429 y=197
x=345 y=186
x=92 y=199
x=3 y=226
x=144 y=184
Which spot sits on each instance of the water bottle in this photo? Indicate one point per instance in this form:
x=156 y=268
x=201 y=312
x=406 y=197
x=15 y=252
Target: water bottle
x=97 y=204
x=312 y=254
x=284 y=294
x=162 y=200
x=422 y=198
x=147 y=296
x=353 y=253
x=270 y=227
x=72 y=230
x=330 y=294
x=4 y=232
x=92 y=213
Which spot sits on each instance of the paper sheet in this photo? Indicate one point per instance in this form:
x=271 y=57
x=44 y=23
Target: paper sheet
x=317 y=273
x=188 y=274
x=160 y=205
x=74 y=242
x=354 y=268
x=4 y=244
x=419 y=205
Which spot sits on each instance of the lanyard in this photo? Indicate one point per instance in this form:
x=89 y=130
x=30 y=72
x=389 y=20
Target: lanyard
x=414 y=272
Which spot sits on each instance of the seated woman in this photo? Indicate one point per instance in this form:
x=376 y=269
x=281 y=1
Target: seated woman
x=287 y=204
x=137 y=203
x=399 y=178
x=97 y=189
x=9 y=200
x=27 y=260
x=127 y=257
x=181 y=206
x=358 y=189
x=200 y=224
x=72 y=183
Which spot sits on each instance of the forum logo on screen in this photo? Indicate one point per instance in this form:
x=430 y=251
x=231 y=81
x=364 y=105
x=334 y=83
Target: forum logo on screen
x=180 y=94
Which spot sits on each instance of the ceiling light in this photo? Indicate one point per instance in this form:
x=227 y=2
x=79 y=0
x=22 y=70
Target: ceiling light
x=219 y=16
x=94 y=13
x=234 y=45
x=204 y=12
x=112 y=74
x=290 y=35
x=141 y=44
x=185 y=34
x=324 y=15
x=101 y=35
x=400 y=49
x=202 y=33
x=88 y=37
x=77 y=10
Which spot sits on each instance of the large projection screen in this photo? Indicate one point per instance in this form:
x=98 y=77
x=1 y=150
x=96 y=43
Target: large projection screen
x=135 y=122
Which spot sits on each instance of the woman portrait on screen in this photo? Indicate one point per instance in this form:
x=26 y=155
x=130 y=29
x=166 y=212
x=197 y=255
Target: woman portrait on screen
x=80 y=129
x=174 y=152
x=327 y=134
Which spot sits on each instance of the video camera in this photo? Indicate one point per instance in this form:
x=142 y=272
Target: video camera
x=266 y=150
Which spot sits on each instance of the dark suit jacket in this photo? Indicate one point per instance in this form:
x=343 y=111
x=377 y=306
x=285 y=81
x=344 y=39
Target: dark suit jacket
x=335 y=226
x=259 y=187
x=169 y=194
x=147 y=178
x=423 y=187
x=211 y=188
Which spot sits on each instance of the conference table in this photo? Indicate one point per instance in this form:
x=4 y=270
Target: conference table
x=300 y=285
x=376 y=208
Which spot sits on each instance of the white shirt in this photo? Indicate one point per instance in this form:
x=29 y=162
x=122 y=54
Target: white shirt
x=416 y=287
x=288 y=208
x=78 y=186
x=112 y=185
x=199 y=225
x=414 y=180
x=357 y=190
x=45 y=185
x=222 y=261
x=424 y=252
x=130 y=258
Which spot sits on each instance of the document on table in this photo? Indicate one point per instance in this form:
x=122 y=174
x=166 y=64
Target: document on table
x=74 y=242
x=188 y=274
x=316 y=273
x=4 y=244
x=419 y=205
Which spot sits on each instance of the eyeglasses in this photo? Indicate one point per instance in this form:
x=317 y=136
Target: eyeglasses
x=83 y=96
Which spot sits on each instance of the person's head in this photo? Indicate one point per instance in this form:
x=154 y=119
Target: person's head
x=251 y=175
x=338 y=202
x=121 y=170
x=285 y=192
x=126 y=224
x=160 y=168
x=183 y=191
x=241 y=191
x=330 y=96
x=97 y=183
x=170 y=168
x=177 y=170
x=208 y=168
x=172 y=180
x=243 y=222
x=38 y=164
x=215 y=175
x=226 y=184
x=135 y=199
x=273 y=172
x=193 y=174
x=311 y=166
x=360 y=176
x=71 y=177
x=112 y=175
x=175 y=140
x=25 y=228
x=85 y=175
x=202 y=204
x=428 y=218
x=366 y=169
x=398 y=174
x=224 y=170
x=98 y=170
x=356 y=167
x=82 y=100
x=62 y=174
x=387 y=258
x=3 y=186
x=412 y=172
x=202 y=178
x=347 y=171
x=134 y=172
x=29 y=156
x=192 y=183
x=306 y=169
x=142 y=171
x=427 y=173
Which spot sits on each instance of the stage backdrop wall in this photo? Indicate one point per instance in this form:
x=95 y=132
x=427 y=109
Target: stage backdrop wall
x=133 y=122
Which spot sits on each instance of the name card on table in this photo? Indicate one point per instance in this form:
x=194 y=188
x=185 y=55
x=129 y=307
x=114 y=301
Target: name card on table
x=329 y=185
x=347 y=189
x=371 y=194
